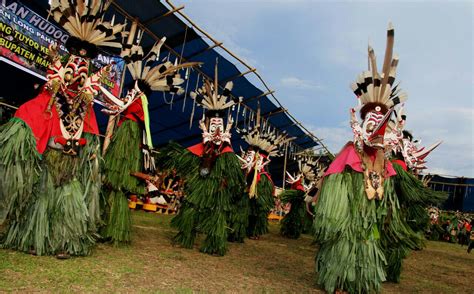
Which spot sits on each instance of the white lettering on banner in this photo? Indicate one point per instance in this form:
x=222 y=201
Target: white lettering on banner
x=104 y=59
x=33 y=19
x=23 y=25
x=19 y=11
x=5 y=13
x=22 y=12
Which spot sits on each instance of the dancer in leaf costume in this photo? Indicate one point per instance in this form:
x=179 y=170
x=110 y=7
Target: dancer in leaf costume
x=293 y=223
x=260 y=188
x=211 y=170
x=357 y=211
x=49 y=151
x=413 y=197
x=129 y=149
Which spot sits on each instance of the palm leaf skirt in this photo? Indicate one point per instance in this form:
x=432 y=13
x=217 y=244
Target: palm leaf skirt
x=209 y=199
x=19 y=168
x=123 y=156
x=346 y=226
x=292 y=224
x=259 y=208
x=56 y=219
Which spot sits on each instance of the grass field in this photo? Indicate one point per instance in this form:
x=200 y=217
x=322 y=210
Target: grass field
x=271 y=265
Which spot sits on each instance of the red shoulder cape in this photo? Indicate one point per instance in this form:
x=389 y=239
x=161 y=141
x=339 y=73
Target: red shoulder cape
x=44 y=125
x=349 y=157
x=198 y=149
x=133 y=112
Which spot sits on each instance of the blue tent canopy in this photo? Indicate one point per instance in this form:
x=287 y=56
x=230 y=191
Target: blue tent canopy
x=170 y=114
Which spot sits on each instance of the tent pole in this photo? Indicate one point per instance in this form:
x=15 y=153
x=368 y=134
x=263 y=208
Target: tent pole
x=160 y=17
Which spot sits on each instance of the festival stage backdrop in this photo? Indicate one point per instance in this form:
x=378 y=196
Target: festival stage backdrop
x=25 y=37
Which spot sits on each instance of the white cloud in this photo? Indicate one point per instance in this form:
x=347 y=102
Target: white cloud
x=225 y=27
x=333 y=137
x=310 y=52
x=301 y=84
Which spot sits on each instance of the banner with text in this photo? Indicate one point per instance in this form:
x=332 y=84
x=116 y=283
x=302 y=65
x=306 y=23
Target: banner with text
x=25 y=37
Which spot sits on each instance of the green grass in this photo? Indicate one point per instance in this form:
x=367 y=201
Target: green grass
x=271 y=265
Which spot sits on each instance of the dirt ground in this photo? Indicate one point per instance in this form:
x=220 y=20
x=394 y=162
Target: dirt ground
x=272 y=264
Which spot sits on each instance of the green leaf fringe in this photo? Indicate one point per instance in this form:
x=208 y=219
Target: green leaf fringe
x=292 y=224
x=57 y=219
x=259 y=208
x=364 y=242
x=70 y=221
x=19 y=168
x=414 y=199
x=406 y=220
x=397 y=237
x=119 y=222
x=49 y=213
x=346 y=225
x=209 y=200
x=90 y=176
x=32 y=229
x=124 y=156
x=239 y=218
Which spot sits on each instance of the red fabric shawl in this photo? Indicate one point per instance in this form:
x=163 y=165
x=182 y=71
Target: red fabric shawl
x=349 y=157
x=45 y=125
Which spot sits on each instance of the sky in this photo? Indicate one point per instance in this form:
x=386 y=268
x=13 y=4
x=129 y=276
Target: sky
x=309 y=52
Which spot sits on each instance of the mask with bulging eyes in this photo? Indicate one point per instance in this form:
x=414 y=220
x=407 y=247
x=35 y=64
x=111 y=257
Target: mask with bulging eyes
x=131 y=95
x=248 y=162
x=216 y=129
x=371 y=132
x=371 y=122
x=76 y=71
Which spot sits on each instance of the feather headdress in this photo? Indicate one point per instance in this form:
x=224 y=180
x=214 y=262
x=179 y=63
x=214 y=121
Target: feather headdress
x=208 y=95
x=309 y=171
x=268 y=142
x=161 y=77
x=84 y=20
x=374 y=88
x=309 y=167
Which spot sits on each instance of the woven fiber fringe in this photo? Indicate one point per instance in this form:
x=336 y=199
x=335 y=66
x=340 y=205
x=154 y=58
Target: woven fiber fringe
x=61 y=167
x=19 y=168
x=90 y=177
x=292 y=224
x=124 y=156
x=406 y=219
x=260 y=207
x=31 y=229
x=119 y=221
x=208 y=200
x=56 y=221
x=395 y=256
x=414 y=198
x=239 y=218
x=397 y=238
x=308 y=220
x=346 y=226
x=69 y=221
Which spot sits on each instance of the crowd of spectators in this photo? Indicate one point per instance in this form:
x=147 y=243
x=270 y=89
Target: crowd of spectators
x=451 y=226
